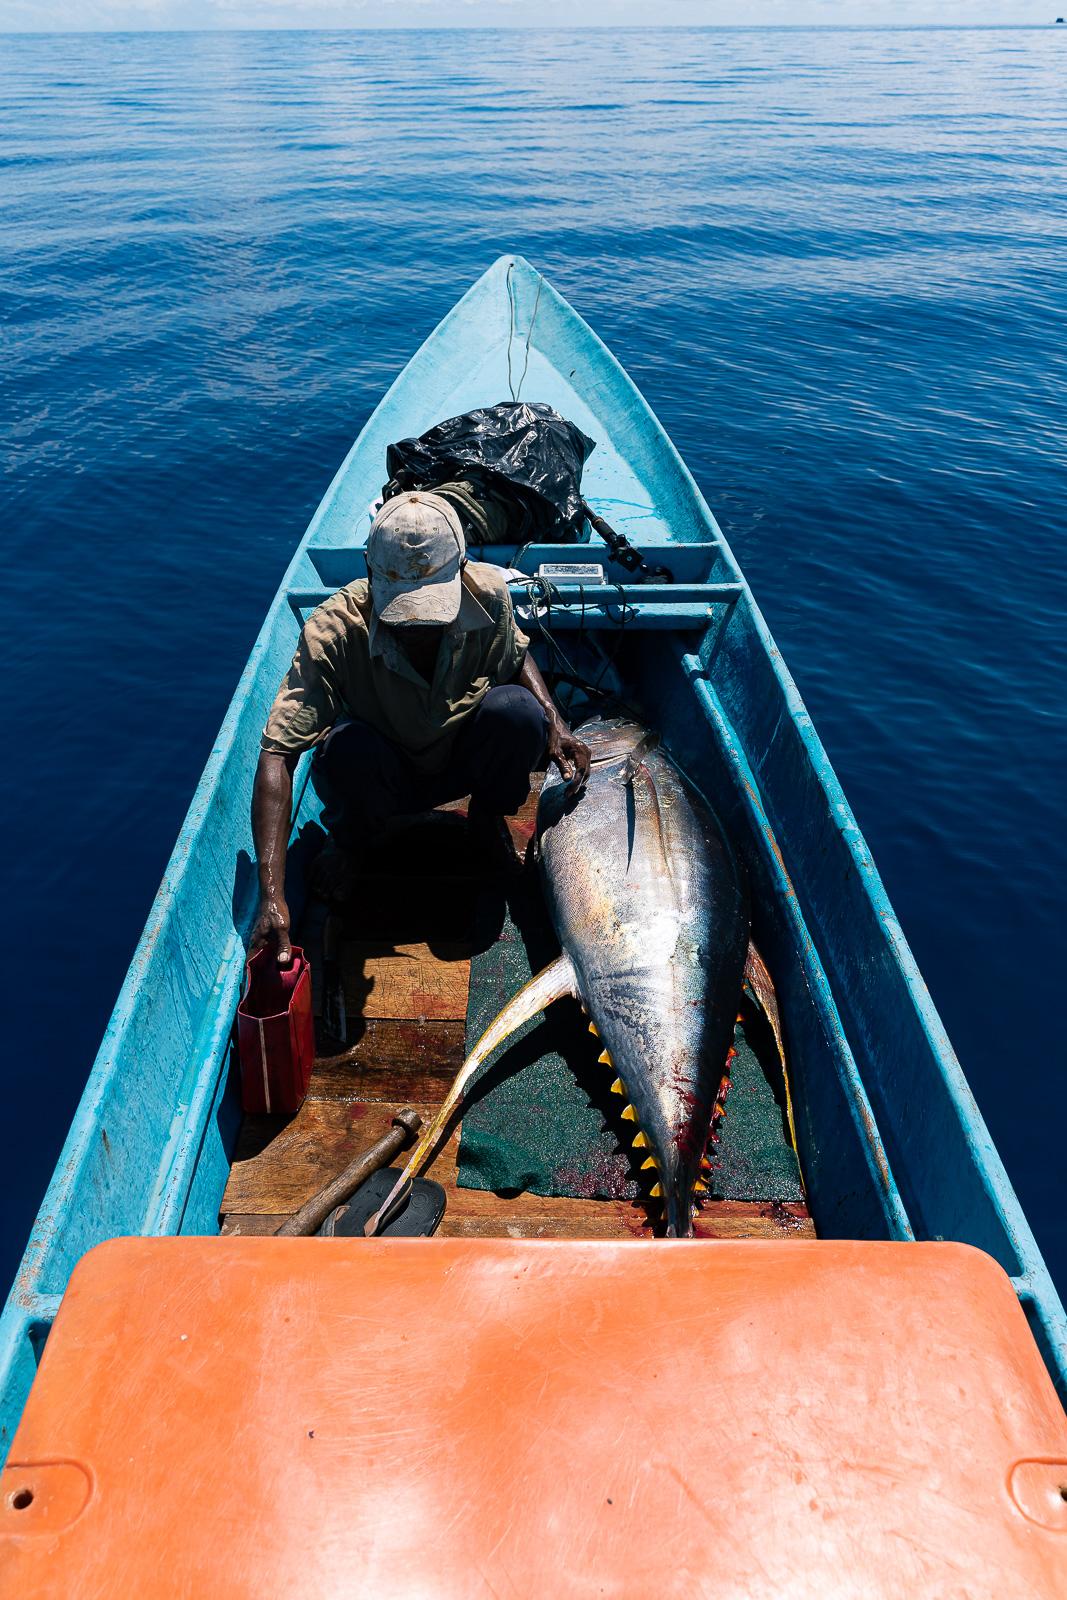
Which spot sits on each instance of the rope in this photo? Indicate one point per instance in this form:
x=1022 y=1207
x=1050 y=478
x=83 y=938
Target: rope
x=529 y=336
x=511 y=331
x=513 y=391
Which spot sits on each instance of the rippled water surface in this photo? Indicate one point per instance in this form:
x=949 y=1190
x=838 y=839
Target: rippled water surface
x=834 y=262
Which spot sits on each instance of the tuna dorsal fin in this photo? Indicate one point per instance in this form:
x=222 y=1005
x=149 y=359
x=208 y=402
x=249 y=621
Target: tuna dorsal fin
x=555 y=981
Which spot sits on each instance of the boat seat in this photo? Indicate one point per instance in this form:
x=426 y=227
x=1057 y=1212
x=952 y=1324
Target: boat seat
x=486 y=1417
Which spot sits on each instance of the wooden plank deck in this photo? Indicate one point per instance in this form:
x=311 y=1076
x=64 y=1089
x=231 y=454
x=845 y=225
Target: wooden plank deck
x=406 y=998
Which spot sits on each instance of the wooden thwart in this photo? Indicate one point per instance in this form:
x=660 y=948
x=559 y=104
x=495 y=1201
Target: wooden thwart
x=537 y=1217
x=279 y=1166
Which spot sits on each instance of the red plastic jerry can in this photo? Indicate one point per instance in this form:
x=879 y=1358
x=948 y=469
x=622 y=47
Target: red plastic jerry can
x=276 y=1034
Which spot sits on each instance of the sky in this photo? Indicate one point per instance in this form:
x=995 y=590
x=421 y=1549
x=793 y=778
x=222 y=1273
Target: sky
x=94 y=15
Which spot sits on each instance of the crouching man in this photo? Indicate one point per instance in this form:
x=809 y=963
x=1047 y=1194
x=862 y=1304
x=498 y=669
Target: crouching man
x=415 y=687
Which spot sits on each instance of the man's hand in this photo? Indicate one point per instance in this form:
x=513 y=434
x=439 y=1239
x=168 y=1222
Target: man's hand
x=271 y=927
x=568 y=753
x=272 y=798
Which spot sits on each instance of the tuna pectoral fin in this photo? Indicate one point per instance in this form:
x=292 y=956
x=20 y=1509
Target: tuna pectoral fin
x=759 y=986
x=760 y=989
x=553 y=983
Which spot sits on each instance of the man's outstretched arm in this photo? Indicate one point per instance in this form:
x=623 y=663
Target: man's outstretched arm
x=566 y=751
x=272 y=800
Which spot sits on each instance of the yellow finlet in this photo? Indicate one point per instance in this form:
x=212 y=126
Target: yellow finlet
x=594 y=1029
x=700 y=1188
x=650 y=1163
x=605 y=1057
x=656 y=1191
x=629 y=1114
x=618 y=1087
x=640 y=1142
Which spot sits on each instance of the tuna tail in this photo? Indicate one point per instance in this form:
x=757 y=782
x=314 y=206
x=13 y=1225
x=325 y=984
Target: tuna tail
x=759 y=986
x=679 y=1210
x=557 y=979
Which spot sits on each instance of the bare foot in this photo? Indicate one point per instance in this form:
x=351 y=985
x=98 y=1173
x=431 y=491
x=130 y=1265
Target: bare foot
x=332 y=873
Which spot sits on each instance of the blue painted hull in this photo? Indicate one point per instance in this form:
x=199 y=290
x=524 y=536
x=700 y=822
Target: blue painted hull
x=891 y=1140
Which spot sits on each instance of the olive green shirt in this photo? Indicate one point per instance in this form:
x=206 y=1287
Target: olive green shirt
x=347 y=664
x=485 y=517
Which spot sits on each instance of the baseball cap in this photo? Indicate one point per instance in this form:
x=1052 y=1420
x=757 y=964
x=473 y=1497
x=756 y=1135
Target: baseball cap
x=415 y=549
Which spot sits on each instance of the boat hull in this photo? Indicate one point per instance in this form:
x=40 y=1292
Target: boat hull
x=888 y=1133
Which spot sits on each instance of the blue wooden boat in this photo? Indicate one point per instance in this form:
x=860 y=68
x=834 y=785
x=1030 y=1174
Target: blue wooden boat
x=889 y=1137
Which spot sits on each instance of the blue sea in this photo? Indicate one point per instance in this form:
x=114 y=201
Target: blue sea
x=835 y=262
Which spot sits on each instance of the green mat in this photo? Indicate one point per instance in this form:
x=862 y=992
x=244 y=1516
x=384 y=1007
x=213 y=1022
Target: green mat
x=753 y=1158
x=542 y=1116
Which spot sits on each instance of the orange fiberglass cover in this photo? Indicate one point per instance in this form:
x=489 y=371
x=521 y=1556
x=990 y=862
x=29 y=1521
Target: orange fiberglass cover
x=465 y=1418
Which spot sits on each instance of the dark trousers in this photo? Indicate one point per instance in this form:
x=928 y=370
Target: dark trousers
x=364 y=780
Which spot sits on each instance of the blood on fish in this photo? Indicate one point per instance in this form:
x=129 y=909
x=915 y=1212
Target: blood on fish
x=608 y=1176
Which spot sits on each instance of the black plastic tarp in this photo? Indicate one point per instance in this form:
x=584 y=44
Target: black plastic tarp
x=524 y=452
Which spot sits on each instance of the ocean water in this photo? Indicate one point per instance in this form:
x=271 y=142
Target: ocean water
x=835 y=262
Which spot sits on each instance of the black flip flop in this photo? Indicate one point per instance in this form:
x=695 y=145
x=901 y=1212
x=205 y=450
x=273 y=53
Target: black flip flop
x=414 y=1217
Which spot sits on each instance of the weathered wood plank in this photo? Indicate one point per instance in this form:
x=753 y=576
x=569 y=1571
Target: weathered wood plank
x=405 y=981
x=279 y=1164
x=392 y=1059
x=251 y=1225
x=580 y=1219
x=614 y=1219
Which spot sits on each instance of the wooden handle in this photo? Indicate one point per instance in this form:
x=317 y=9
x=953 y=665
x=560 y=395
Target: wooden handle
x=313 y=1214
